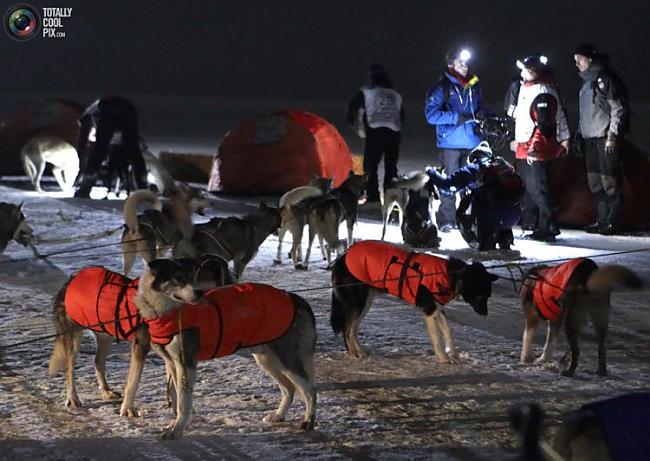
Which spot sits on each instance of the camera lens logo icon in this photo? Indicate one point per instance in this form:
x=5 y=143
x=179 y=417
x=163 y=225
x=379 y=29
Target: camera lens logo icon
x=21 y=22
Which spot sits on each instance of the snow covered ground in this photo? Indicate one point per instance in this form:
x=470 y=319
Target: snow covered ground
x=400 y=403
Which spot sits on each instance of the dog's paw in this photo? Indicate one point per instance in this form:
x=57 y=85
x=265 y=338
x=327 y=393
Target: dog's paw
x=277 y=261
x=171 y=434
x=273 y=418
x=445 y=359
x=541 y=360
x=73 y=402
x=110 y=394
x=358 y=355
x=300 y=267
x=568 y=373
x=601 y=371
x=129 y=412
x=306 y=426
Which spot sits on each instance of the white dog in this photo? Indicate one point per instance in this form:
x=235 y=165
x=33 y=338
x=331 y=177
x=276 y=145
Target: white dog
x=398 y=196
x=48 y=149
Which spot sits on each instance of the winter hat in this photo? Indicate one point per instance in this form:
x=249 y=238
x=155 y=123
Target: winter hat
x=480 y=153
x=538 y=63
x=458 y=53
x=587 y=50
x=376 y=70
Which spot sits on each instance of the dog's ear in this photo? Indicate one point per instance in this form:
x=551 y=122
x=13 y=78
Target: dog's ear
x=157 y=266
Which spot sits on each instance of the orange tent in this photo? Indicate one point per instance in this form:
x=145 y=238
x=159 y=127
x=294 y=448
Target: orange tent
x=271 y=154
x=58 y=118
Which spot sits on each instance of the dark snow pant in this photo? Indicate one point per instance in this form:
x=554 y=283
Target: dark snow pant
x=539 y=187
x=603 y=176
x=529 y=211
x=452 y=160
x=380 y=142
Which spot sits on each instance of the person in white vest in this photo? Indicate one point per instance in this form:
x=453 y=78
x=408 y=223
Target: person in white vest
x=541 y=135
x=381 y=110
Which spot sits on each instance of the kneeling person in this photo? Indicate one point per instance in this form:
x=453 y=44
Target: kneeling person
x=487 y=214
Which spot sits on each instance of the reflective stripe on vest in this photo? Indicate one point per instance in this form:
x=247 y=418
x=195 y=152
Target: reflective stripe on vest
x=549 y=289
x=229 y=318
x=103 y=301
x=399 y=272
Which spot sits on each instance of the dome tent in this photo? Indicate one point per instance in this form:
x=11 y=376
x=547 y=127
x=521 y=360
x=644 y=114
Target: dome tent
x=271 y=154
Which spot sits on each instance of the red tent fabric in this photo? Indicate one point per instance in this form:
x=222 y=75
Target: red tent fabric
x=271 y=154
x=58 y=118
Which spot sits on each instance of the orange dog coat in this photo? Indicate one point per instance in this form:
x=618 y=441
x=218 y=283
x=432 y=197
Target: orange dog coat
x=103 y=301
x=229 y=318
x=399 y=272
x=550 y=287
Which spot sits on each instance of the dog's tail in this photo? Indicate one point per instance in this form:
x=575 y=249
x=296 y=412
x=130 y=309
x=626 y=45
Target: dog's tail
x=58 y=359
x=298 y=194
x=131 y=207
x=415 y=180
x=340 y=283
x=611 y=276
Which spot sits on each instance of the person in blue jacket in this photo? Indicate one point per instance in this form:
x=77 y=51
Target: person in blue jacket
x=454 y=106
x=488 y=212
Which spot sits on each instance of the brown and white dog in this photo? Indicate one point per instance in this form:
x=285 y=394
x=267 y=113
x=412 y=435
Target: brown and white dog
x=568 y=294
x=397 y=196
x=420 y=279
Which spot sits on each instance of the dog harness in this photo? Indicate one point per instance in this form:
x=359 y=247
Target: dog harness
x=103 y=301
x=549 y=287
x=229 y=318
x=399 y=272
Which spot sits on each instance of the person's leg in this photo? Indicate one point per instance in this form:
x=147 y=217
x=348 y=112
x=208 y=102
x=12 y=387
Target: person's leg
x=610 y=169
x=371 y=158
x=391 y=155
x=529 y=211
x=131 y=140
x=594 y=179
x=539 y=192
x=446 y=215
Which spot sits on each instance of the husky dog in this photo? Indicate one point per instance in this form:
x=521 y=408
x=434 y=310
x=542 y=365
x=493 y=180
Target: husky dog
x=398 y=196
x=104 y=302
x=288 y=356
x=294 y=207
x=427 y=281
x=13 y=225
x=157 y=174
x=569 y=294
x=418 y=230
x=327 y=214
x=163 y=227
x=48 y=149
x=236 y=239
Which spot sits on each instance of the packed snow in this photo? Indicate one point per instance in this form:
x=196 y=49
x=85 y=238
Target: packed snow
x=399 y=403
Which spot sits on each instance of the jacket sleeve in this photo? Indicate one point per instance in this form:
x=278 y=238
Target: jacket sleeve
x=461 y=179
x=618 y=111
x=354 y=105
x=433 y=108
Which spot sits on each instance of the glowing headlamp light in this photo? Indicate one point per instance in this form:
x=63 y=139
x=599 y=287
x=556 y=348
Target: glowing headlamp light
x=464 y=55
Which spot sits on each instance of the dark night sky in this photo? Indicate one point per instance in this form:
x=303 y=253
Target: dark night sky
x=314 y=50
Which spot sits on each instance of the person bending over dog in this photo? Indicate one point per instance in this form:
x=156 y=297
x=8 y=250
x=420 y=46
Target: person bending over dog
x=485 y=216
x=116 y=156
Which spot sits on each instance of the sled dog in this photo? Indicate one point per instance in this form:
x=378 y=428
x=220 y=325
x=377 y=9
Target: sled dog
x=568 y=294
x=397 y=196
x=420 y=279
x=47 y=149
x=278 y=326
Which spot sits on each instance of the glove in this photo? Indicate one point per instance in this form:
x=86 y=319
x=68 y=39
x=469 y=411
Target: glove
x=578 y=145
x=611 y=143
x=566 y=146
